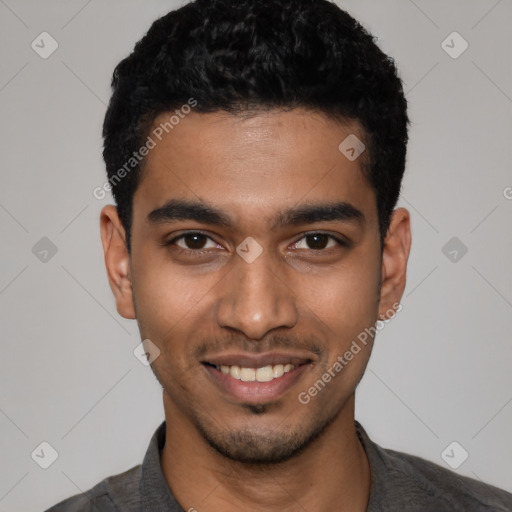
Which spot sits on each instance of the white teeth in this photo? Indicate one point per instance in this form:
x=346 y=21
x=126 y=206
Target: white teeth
x=248 y=374
x=278 y=370
x=235 y=372
x=263 y=374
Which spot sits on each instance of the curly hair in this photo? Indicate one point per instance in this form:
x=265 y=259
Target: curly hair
x=243 y=56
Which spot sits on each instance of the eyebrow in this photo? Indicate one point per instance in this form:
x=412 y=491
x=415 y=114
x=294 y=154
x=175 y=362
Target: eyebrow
x=181 y=209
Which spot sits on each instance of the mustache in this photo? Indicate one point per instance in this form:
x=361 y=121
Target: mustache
x=270 y=343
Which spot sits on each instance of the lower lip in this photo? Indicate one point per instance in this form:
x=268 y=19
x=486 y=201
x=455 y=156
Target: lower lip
x=255 y=392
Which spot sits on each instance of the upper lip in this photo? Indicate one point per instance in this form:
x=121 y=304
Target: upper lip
x=248 y=360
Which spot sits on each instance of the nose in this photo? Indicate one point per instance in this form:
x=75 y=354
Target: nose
x=256 y=300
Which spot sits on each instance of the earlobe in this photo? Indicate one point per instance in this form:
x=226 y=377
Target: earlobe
x=117 y=260
x=397 y=246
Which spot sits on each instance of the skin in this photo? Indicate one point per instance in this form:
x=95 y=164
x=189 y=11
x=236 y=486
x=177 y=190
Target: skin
x=296 y=297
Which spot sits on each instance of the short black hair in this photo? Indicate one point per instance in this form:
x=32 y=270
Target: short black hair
x=242 y=56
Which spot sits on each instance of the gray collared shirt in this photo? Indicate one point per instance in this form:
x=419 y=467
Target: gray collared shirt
x=399 y=483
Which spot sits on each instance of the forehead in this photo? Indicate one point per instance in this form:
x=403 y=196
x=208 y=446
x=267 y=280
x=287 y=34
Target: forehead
x=255 y=165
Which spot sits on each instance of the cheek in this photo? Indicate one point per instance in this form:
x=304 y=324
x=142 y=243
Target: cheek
x=346 y=299
x=171 y=305
x=162 y=293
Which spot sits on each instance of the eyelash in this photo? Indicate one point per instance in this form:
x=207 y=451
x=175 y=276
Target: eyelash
x=199 y=252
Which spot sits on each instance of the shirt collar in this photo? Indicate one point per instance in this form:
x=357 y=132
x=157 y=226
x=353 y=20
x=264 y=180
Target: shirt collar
x=154 y=490
x=377 y=462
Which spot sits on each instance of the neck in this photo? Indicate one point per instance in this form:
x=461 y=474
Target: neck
x=332 y=473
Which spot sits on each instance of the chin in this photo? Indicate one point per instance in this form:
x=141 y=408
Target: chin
x=265 y=446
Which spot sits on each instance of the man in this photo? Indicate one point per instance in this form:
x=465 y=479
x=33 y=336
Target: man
x=255 y=151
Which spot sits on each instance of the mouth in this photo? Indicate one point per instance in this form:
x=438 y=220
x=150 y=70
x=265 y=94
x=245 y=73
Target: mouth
x=256 y=378
x=262 y=374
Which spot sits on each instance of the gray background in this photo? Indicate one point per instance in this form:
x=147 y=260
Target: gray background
x=440 y=371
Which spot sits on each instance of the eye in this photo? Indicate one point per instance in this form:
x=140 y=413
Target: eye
x=193 y=241
x=318 y=242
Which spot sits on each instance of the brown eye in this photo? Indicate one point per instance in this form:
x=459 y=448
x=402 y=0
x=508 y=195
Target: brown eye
x=318 y=242
x=193 y=242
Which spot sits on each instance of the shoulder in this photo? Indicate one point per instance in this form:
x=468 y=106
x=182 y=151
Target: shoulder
x=423 y=483
x=113 y=494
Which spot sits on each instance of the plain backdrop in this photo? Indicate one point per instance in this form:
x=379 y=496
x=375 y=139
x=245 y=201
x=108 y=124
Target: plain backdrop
x=440 y=371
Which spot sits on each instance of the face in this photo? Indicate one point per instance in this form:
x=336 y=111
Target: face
x=255 y=263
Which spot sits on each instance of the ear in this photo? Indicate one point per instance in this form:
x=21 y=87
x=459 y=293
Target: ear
x=397 y=245
x=117 y=260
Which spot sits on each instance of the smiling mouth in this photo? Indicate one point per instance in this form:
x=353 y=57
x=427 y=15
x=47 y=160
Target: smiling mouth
x=256 y=378
x=262 y=374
